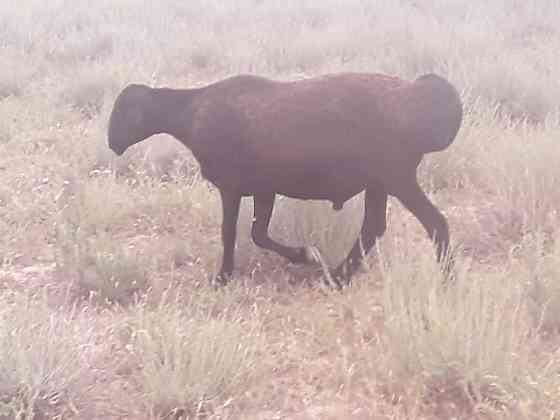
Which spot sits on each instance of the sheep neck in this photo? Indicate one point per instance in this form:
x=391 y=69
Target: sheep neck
x=171 y=112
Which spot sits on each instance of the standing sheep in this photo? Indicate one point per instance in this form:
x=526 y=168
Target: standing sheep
x=323 y=138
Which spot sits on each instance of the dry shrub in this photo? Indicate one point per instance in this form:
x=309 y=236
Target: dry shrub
x=189 y=361
x=469 y=343
x=524 y=184
x=89 y=253
x=18 y=70
x=83 y=204
x=44 y=357
x=87 y=91
x=537 y=259
x=101 y=269
x=94 y=246
x=518 y=87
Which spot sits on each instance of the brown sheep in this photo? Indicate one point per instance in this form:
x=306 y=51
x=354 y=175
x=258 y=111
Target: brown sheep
x=323 y=138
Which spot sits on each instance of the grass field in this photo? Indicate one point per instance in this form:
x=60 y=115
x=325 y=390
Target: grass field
x=105 y=307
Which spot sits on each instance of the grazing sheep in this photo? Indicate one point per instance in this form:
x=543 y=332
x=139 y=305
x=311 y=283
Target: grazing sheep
x=323 y=138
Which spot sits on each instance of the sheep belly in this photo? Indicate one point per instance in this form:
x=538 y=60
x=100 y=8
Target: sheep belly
x=336 y=185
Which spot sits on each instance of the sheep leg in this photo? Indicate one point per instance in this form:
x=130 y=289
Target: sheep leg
x=263 y=206
x=433 y=221
x=373 y=226
x=230 y=213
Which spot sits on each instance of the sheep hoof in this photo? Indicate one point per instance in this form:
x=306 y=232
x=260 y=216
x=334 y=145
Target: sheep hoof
x=338 y=279
x=220 y=280
x=337 y=205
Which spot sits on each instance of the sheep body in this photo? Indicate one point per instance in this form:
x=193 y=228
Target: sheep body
x=324 y=138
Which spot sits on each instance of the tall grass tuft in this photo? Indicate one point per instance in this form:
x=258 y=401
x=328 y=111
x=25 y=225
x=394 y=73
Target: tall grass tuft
x=190 y=360
x=44 y=357
x=469 y=342
x=89 y=252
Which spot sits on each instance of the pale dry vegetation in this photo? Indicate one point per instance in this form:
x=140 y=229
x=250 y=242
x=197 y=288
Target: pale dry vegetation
x=105 y=304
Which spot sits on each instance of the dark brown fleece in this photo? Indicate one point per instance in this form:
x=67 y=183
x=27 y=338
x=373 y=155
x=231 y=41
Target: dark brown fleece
x=326 y=138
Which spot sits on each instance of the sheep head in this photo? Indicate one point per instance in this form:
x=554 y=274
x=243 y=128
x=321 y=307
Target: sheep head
x=128 y=123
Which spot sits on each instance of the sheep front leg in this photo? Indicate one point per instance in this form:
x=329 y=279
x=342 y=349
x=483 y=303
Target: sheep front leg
x=231 y=201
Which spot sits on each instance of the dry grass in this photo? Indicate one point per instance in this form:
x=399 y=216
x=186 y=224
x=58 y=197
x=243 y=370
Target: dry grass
x=190 y=361
x=45 y=356
x=108 y=260
x=484 y=360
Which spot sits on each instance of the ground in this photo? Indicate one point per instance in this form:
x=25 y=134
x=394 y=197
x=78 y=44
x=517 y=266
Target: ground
x=106 y=309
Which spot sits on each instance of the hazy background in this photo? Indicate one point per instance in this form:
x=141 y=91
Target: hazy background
x=108 y=259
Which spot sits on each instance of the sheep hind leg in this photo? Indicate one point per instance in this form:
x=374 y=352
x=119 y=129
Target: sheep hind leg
x=373 y=226
x=263 y=206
